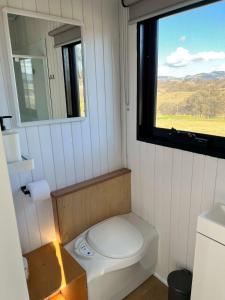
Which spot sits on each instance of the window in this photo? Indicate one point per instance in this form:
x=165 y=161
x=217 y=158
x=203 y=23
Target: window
x=31 y=89
x=73 y=78
x=28 y=83
x=181 y=79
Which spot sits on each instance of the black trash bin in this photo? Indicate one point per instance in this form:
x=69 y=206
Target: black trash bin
x=179 y=283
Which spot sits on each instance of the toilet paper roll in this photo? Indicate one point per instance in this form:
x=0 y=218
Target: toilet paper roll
x=39 y=190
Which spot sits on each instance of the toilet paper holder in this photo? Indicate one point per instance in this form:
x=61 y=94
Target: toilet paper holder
x=25 y=190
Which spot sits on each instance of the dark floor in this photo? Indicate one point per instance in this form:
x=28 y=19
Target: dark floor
x=151 y=289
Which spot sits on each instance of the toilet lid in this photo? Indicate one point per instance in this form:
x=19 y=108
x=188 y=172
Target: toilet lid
x=115 y=238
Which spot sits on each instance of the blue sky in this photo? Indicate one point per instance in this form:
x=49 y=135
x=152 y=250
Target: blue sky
x=192 y=42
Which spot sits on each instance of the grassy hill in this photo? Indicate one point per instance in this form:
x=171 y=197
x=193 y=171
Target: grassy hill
x=187 y=91
x=177 y=91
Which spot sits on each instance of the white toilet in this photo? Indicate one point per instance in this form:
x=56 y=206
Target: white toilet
x=118 y=254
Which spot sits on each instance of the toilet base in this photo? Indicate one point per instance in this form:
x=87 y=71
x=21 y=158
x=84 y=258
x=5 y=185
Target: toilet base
x=118 y=284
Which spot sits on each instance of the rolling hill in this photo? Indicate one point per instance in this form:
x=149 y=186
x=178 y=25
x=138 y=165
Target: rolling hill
x=176 y=90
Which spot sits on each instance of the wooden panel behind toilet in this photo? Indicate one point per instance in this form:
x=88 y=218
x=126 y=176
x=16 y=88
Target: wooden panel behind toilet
x=82 y=205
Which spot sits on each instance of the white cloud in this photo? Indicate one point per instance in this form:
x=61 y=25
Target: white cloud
x=164 y=70
x=183 y=38
x=182 y=57
x=220 y=68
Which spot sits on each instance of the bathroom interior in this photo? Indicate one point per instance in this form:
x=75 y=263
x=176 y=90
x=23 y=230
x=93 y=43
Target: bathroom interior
x=112 y=150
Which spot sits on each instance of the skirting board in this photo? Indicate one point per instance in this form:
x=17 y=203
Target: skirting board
x=161 y=279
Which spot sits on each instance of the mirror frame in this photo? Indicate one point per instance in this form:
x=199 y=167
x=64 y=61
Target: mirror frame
x=16 y=110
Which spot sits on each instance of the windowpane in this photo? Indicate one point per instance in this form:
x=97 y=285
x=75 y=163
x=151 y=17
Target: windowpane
x=28 y=83
x=73 y=78
x=67 y=71
x=31 y=88
x=191 y=71
x=80 y=78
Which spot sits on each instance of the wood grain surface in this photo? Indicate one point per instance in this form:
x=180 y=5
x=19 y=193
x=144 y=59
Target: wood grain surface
x=52 y=269
x=82 y=205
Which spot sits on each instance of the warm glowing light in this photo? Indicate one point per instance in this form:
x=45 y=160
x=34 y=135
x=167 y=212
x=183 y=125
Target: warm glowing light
x=60 y=261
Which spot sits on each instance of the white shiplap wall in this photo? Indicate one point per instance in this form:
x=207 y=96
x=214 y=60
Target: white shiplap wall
x=169 y=187
x=67 y=153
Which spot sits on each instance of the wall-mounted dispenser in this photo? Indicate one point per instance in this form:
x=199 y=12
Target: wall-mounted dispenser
x=11 y=142
x=16 y=161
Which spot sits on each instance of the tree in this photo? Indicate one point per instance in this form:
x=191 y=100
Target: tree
x=207 y=103
x=167 y=108
x=193 y=105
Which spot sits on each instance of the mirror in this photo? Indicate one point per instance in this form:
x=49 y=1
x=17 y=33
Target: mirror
x=48 y=68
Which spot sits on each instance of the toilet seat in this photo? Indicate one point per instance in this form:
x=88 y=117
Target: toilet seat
x=115 y=238
x=91 y=248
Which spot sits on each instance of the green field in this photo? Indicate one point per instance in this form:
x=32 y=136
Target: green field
x=214 y=126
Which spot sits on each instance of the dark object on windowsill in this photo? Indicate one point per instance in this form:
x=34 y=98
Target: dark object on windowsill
x=187 y=137
x=179 y=283
x=3 y=128
x=25 y=190
x=123 y=4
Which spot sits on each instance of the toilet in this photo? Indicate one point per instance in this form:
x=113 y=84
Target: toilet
x=118 y=255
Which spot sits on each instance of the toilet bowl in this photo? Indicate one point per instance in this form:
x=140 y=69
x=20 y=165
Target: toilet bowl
x=118 y=254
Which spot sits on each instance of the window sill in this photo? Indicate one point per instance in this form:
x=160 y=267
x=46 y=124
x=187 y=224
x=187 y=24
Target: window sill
x=192 y=147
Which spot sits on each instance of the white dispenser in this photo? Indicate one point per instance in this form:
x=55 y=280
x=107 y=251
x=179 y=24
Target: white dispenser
x=11 y=143
x=12 y=146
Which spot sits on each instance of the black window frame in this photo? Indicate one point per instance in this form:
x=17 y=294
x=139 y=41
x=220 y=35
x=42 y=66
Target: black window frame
x=75 y=98
x=147 y=58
